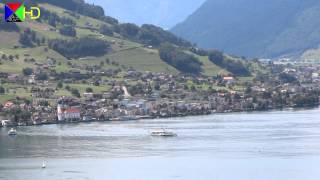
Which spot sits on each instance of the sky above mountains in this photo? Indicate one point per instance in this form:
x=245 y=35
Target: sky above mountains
x=164 y=13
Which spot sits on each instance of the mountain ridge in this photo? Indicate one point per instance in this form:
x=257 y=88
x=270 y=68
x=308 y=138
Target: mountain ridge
x=164 y=13
x=254 y=29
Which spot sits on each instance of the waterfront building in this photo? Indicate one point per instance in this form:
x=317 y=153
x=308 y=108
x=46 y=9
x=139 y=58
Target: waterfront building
x=5 y=123
x=66 y=113
x=8 y=105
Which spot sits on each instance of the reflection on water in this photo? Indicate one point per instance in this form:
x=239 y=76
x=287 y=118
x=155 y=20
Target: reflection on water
x=240 y=141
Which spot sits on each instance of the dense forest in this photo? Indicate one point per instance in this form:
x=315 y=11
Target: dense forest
x=236 y=67
x=68 y=31
x=149 y=34
x=82 y=47
x=179 y=59
x=53 y=19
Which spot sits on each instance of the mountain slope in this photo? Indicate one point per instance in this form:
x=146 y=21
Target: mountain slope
x=73 y=48
x=129 y=46
x=164 y=13
x=266 y=28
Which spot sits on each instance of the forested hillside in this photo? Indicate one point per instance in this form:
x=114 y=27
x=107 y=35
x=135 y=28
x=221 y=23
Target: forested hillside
x=265 y=28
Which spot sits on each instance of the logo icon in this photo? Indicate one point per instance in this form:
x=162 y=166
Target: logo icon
x=16 y=12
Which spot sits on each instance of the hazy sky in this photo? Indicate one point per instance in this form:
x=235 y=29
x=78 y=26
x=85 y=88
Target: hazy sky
x=164 y=13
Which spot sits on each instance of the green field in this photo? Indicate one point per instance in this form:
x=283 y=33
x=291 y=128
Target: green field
x=126 y=53
x=209 y=68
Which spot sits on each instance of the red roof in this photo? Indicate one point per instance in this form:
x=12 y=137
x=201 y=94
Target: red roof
x=8 y=104
x=72 y=110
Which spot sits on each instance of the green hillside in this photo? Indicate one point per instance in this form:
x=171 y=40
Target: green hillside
x=125 y=51
x=65 y=42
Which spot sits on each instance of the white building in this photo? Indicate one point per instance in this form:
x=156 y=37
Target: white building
x=32 y=79
x=68 y=113
x=5 y=123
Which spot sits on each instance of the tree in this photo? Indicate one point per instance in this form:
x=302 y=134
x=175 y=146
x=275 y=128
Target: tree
x=89 y=90
x=105 y=30
x=44 y=103
x=27 y=101
x=25 y=40
x=86 y=46
x=308 y=100
x=236 y=67
x=128 y=30
x=76 y=93
x=137 y=89
x=186 y=87
x=177 y=58
x=109 y=20
x=67 y=88
x=68 y=31
x=193 y=88
x=27 y=71
x=287 y=78
x=42 y=76
x=28 y=37
x=153 y=35
x=2 y=90
x=216 y=57
x=60 y=85
x=4 y=57
x=96 y=83
x=52 y=22
x=78 y=6
x=199 y=51
x=43 y=40
x=11 y=57
x=157 y=86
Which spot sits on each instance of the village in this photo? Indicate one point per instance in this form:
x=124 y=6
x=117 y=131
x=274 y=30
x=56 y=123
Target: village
x=128 y=94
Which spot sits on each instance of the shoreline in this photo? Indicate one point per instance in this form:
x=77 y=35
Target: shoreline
x=164 y=117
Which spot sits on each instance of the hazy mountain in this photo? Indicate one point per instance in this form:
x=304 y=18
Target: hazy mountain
x=164 y=13
x=264 y=28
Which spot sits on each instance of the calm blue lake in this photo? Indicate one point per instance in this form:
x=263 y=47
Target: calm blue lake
x=273 y=145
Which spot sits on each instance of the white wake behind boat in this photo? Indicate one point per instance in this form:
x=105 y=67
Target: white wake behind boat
x=44 y=165
x=163 y=132
x=12 y=132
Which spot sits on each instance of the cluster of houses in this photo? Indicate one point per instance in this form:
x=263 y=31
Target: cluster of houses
x=151 y=95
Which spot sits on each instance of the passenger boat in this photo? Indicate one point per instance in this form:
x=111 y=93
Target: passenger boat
x=163 y=132
x=44 y=165
x=12 y=132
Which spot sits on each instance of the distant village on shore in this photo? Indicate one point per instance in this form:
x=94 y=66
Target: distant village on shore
x=160 y=95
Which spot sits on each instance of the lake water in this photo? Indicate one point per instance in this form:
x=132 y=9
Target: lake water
x=274 y=145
